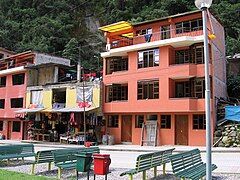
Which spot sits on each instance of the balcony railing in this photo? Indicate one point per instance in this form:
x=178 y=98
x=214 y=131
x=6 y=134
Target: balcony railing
x=119 y=41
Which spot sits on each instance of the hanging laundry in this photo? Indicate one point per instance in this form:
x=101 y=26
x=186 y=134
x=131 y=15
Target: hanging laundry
x=85 y=101
x=72 y=120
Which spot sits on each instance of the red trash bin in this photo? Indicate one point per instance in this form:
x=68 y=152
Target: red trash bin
x=101 y=163
x=88 y=144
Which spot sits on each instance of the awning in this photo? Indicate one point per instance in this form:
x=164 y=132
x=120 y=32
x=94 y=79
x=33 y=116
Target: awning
x=75 y=109
x=119 y=26
x=128 y=35
x=29 y=110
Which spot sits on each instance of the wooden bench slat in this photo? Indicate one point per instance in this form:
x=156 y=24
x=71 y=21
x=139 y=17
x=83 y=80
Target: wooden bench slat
x=189 y=165
x=151 y=160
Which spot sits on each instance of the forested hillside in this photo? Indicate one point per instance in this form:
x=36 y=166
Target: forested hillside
x=59 y=26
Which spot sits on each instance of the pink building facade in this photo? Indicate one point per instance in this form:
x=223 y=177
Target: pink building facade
x=154 y=71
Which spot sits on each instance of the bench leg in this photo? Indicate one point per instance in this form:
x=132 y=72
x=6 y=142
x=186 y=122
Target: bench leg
x=130 y=177
x=144 y=175
x=59 y=173
x=155 y=171
x=94 y=177
x=49 y=166
x=77 y=174
x=88 y=175
x=8 y=161
x=23 y=159
x=164 y=169
x=33 y=169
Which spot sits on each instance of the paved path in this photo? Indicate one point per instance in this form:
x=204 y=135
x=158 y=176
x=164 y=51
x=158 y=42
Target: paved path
x=124 y=156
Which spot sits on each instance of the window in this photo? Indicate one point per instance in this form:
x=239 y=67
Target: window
x=2 y=103
x=182 y=56
x=199 y=121
x=165 y=32
x=139 y=120
x=1 y=125
x=148 y=90
x=152 y=117
x=3 y=81
x=183 y=89
x=198 y=54
x=16 y=102
x=117 y=92
x=149 y=58
x=116 y=64
x=18 y=79
x=16 y=126
x=112 y=120
x=195 y=54
x=199 y=85
x=144 y=31
x=188 y=26
x=166 y=121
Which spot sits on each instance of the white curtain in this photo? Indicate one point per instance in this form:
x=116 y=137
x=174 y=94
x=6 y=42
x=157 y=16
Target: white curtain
x=36 y=97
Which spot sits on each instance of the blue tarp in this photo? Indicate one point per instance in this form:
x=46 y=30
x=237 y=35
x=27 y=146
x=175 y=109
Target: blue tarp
x=232 y=113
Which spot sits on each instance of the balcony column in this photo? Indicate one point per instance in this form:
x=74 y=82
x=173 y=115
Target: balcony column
x=172 y=28
x=55 y=80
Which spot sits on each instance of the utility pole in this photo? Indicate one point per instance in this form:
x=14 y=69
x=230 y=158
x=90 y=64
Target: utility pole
x=79 y=66
x=84 y=110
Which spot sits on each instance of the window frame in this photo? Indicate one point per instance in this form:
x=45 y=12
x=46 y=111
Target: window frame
x=181 y=27
x=116 y=92
x=138 y=123
x=2 y=103
x=197 y=125
x=11 y=103
x=144 y=31
x=116 y=64
x=165 y=32
x=114 y=122
x=16 y=79
x=3 y=81
x=149 y=62
x=18 y=126
x=166 y=121
x=1 y=125
x=141 y=88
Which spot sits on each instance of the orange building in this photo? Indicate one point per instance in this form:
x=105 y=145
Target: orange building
x=154 y=71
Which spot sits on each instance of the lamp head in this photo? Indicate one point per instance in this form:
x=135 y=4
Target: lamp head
x=203 y=3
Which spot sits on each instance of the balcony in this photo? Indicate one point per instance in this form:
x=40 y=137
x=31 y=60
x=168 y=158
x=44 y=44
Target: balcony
x=121 y=44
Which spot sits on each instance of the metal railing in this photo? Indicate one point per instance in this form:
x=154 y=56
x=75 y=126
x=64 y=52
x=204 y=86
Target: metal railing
x=168 y=34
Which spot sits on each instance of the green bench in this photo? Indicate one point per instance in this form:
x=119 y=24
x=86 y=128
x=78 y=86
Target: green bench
x=66 y=159
x=189 y=165
x=43 y=157
x=12 y=151
x=145 y=162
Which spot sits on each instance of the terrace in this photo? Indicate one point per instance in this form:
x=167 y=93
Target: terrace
x=123 y=34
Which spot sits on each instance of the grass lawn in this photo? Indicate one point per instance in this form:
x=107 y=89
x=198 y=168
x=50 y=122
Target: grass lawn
x=10 y=175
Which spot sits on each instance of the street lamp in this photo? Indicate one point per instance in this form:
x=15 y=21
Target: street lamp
x=204 y=5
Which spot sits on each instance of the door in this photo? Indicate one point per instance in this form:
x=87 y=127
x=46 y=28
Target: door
x=24 y=131
x=9 y=129
x=181 y=130
x=126 y=129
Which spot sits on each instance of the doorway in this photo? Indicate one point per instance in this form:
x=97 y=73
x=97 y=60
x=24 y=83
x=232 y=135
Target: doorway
x=24 y=131
x=181 y=130
x=126 y=129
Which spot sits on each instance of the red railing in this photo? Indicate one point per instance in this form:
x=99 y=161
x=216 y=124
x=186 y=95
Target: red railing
x=122 y=41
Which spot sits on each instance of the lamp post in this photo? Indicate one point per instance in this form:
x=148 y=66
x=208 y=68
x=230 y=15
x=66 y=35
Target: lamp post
x=204 y=5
